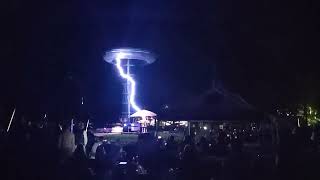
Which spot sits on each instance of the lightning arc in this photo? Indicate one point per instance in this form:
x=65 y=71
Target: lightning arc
x=129 y=78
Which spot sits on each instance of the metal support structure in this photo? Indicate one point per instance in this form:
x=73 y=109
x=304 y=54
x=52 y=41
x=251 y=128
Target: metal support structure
x=126 y=109
x=128 y=90
x=131 y=57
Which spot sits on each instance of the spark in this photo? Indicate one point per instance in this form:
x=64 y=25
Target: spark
x=130 y=79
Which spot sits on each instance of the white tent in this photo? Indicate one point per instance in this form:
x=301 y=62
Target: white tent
x=143 y=113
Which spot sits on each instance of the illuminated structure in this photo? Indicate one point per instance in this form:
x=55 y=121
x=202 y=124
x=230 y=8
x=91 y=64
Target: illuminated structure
x=125 y=60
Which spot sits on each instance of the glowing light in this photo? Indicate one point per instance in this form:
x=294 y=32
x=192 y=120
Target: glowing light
x=129 y=78
x=125 y=125
x=205 y=128
x=132 y=124
x=117 y=129
x=183 y=123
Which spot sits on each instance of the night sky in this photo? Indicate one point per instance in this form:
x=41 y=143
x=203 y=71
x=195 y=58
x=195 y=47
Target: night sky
x=267 y=52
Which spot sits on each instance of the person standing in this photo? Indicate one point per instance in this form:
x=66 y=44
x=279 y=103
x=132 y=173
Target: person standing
x=81 y=135
x=66 y=143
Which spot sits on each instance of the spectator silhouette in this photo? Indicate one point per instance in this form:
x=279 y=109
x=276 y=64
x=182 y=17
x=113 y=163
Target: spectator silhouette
x=188 y=163
x=66 y=143
x=79 y=166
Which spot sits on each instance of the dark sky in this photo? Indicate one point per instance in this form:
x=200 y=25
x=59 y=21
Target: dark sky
x=265 y=51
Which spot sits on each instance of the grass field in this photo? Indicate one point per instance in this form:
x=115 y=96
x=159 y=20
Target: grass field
x=122 y=138
x=126 y=138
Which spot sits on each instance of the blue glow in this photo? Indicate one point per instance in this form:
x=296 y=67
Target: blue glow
x=129 y=78
x=125 y=125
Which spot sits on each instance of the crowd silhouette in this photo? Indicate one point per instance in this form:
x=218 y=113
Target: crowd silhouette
x=50 y=151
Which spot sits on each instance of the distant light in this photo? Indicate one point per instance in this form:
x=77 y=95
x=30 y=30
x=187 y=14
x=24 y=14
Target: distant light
x=183 y=123
x=82 y=100
x=159 y=137
x=205 y=127
x=125 y=125
x=132 y=124
x=117 y=129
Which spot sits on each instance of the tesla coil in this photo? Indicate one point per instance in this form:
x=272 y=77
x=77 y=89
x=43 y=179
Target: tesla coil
x=125 y=60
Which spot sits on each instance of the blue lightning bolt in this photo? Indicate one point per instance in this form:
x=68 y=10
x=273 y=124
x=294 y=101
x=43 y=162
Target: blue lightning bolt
x=127 y=77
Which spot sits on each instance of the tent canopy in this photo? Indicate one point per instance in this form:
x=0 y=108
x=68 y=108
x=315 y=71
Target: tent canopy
x=143 y=113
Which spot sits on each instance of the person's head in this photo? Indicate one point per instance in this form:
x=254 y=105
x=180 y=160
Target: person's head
x=160 y=141
x=203 y=140
x=187 y=148
x=171 y=139
x=81 y=125
x=188 y=151
x=187 y=139
x=66 y=127
x=98 y=139
x=100 y=153
x=107 y=148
